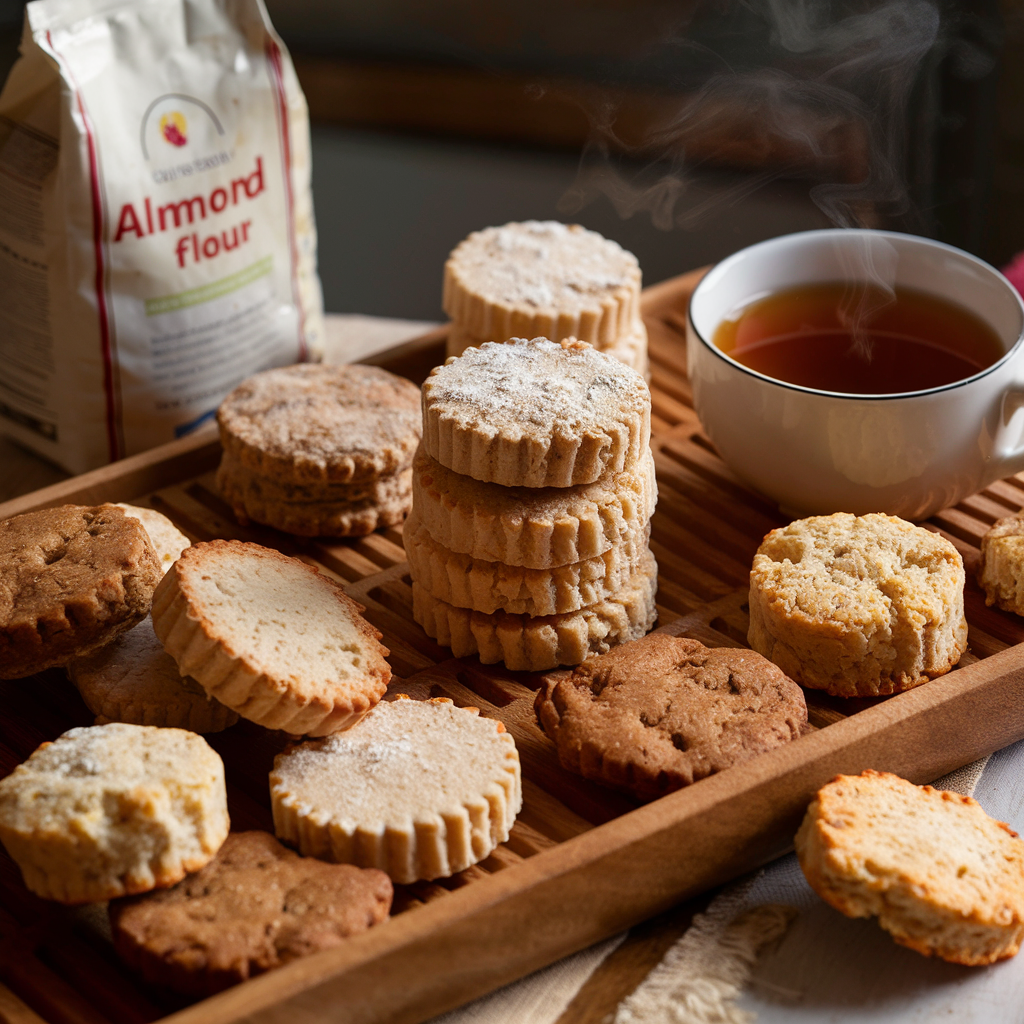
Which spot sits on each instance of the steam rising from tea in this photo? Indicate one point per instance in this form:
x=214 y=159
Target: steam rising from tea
x=859 y=338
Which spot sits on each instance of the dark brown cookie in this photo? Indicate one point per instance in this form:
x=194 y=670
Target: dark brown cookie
x=660 y=713
x=71 y=580
x=255 y=906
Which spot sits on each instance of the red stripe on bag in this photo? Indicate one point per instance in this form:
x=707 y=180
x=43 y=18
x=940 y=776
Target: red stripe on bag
x=114 y=443
x=277 y=78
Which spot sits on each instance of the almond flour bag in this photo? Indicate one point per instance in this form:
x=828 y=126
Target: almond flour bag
x=157 y=242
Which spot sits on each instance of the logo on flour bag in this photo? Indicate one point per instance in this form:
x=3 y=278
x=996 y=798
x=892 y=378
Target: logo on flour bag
x=176 y=126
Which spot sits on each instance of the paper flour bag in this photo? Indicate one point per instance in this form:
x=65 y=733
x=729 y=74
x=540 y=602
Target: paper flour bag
x=157 y=242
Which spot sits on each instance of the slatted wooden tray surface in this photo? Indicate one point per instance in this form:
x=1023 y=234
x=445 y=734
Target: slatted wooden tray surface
x=582 y=862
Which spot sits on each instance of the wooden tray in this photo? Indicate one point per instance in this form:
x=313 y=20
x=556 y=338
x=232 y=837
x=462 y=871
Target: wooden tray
x=582 y=863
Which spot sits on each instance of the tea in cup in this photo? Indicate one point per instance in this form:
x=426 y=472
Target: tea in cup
x=859 y=371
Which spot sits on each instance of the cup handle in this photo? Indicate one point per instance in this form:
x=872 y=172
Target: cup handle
x=1008 y=444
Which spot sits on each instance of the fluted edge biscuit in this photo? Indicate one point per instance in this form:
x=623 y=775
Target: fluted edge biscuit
x=536 y=414
x=199 y=937
x=134 y=680
x=1001 y=568
x=858 y=605
x=419 y=789
x=530 y=644
x=112 y=810
x=316 y=422
x=537 y=528
x=486 y=586
x=542 y=279
x=270 y=637
x=376 y=504
x=942 y=877
x=663 y=712
x=74 y=579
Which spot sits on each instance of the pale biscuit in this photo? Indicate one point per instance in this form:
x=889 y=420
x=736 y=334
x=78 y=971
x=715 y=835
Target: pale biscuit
x=942 y=876
x=1001 y=569
x=72 y=579
x=542 y=279
x=315 y=510
x=168 y=541
x=529 y=644
x=419 y=789
x=315 y=423
x=495 y=587
x=533 y=527
x=536 y=414
x=135 y=680
x=663 y=712
x=270 y=637
x=858 y=605
x=254 y=907
x=112 y=810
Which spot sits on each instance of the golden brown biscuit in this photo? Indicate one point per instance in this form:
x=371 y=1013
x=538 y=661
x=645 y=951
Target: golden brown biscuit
x=1001 y=569
x=858 y=605
x=941 y=875
x=661 y=713
x=71 y=580
x=254 y=907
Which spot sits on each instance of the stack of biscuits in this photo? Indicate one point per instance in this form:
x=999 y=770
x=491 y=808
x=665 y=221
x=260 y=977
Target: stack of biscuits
x=319 y=451
x=532 y=495
x=549 y=280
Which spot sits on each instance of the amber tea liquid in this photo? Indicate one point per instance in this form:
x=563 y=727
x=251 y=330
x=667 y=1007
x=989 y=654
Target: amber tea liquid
x=859 y=339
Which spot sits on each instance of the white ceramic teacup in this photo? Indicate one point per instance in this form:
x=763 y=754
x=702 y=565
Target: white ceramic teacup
x=817 y=452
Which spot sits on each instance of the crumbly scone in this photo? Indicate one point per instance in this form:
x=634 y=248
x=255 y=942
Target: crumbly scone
x=661 y=713
x=484 y=586
x=314 y=423
x=533 y=527
x=858 y=605
x=529 y=644
x=112 y=810
x=536 y=414
x=942 y=876
x=134 y=680
x=542 y=279
x=270 y=637
x=419 y=789
x=311 y=510
x=254 y=907
x=1001 y=569
x=168 y=540
x=71 y=580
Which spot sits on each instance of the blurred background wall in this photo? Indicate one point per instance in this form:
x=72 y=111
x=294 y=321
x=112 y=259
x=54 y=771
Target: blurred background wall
x=684 y=129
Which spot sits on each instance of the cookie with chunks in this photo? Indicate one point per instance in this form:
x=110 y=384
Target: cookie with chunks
x=72 y=579
x=532 y=527
x=542 y=279
x=858 y=606
x=270 y=637
x=419 y=789
x=1001 y=569
x=254 y=907
x=487 y=586
x=135 y=680
x=314 y=423
x=661 y=713
x=942 y=876
x=537 y=643
x=111 y=810
x=536 y=414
